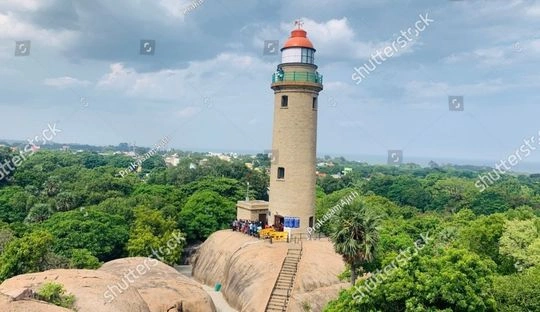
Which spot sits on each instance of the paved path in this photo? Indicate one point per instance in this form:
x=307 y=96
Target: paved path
x=219 y=301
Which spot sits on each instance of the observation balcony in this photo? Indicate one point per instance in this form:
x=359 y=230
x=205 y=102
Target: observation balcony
x=297 y=77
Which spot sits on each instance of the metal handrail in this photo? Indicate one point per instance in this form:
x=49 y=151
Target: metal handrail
x=297 y=76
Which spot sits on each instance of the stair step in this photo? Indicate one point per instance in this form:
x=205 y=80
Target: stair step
x=280 y=296
x=293 y=269
x=289 y=266
x=287 y=284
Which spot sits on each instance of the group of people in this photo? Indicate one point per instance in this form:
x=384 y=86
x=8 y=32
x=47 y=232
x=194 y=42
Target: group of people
x=247 y=227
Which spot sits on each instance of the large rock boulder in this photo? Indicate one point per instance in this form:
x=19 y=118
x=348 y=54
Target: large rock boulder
x=9 y=304
x=247 y=268
x=88 y=286
x=160 y=286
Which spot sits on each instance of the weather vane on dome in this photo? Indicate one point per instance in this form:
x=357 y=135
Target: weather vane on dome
x=298 y=23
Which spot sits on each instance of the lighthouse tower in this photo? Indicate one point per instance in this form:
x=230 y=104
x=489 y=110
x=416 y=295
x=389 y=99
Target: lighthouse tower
x=296 y=86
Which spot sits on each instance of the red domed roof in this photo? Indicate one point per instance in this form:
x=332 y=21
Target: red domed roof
x=298 y=39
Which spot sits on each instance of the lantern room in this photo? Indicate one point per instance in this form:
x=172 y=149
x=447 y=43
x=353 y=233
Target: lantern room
x=298 y=49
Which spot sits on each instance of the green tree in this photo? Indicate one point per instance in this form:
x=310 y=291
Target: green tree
x=39 y=213
x=518 y=292
x=104 y=235
x=356 y=236
x=6 y=235
x=442 y=279
x=65 y=201
x=83 y=259
x=482 y=236
x=325 y=203
x=52 y=186
x=521 y=241
x=153 y=234
x=229 y=188
x=452 y=194
x=25 y=255
x=490 y=201
x=154 y=162
x=92 y=160
x=204 y=213
x=13 y=201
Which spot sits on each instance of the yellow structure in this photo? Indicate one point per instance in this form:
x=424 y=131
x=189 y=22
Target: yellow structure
x=296 y=86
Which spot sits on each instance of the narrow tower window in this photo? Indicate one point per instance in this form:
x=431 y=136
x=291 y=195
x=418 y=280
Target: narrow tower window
x=314 y=104
x=284 y=101
x=281 y=173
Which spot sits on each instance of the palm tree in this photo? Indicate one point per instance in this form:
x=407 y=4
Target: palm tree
x=355 y=236
x=39 y=213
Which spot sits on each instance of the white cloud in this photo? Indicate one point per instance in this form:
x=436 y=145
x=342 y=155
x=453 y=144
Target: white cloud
x=174 y=84
x=534 y=10
x=13 y=28
x=511 y=53
x=176 y=8
x=23 y=5
x=415 y=90
x=336 y=38
x=65 y=82
x=188 y=112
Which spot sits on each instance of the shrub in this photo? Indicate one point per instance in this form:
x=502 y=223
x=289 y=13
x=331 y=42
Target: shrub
x=56 y=294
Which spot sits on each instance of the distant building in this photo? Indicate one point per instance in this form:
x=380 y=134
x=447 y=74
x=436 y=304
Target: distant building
x=203 y=162
x=224 y=157
x=172 y=160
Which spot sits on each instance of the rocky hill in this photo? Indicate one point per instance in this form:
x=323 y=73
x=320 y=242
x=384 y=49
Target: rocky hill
x=247 y=268
x=123 y=285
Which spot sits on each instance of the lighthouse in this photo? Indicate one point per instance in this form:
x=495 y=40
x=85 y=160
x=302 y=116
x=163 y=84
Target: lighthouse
x=296 y=84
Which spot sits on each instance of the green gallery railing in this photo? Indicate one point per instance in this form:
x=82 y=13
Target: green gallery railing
x=297 y=76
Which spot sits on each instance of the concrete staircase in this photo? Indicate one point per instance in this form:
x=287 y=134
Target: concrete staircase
x=281 y=293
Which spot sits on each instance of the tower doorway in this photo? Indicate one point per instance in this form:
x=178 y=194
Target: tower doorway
x=278 y=222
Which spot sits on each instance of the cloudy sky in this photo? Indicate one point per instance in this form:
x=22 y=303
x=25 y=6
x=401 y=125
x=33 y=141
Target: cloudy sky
x=207 y=84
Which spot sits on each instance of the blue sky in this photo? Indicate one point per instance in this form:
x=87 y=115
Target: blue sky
x=207 y=85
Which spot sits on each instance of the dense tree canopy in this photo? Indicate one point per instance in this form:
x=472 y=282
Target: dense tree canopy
x=64 y=209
